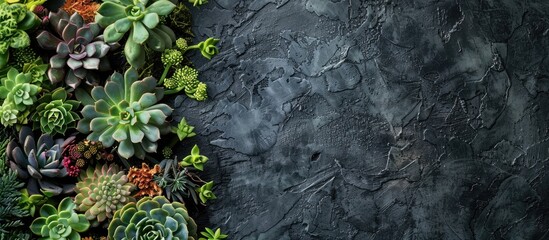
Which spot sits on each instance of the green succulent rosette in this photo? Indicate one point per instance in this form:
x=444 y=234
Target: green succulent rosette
x=61 y=223
x=55 y=112
x=125 y=111
x=17 y=89
x=141 y=18
x=153 y=219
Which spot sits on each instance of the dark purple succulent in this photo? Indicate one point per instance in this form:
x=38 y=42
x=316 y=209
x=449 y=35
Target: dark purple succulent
x=80 y=49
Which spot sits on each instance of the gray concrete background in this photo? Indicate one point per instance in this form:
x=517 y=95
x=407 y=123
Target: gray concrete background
x=348 y=119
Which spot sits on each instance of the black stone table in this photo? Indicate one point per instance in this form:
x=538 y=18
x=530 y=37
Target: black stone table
x=350 y=119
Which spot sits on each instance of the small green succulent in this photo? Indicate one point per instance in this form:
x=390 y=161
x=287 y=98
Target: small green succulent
x=142 y=19
x=198 y=2
x=184 y=130
x=152 y=219
x=8 y=115
x=55 y=113
x=195 y=159
x=62 y=223
x=17 y=89
x=207 y=48
x=29 y=201
x=101 y=191
x=15 y=19
x=209 y=234
x=125 y=111
x=205 y=192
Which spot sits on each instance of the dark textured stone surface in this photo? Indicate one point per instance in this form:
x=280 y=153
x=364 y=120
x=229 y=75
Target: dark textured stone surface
x=349 y=119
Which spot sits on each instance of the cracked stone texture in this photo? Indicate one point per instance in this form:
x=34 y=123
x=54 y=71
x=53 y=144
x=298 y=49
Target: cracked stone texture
x=349 y=119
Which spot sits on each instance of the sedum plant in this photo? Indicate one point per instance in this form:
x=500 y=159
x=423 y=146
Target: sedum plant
x=101 y=191
x=79 y=49
x=55 y=113
x=141 y=18
x=184 y=130
x=15 y=19
x=152 y=219
x=125 y=111
x=61 y=223
x=39 y=162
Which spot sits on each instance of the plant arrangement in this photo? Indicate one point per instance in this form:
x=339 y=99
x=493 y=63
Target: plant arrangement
x=86 y=127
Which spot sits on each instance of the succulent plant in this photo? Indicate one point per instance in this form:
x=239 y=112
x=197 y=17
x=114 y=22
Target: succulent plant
x=15 y=19
x=184 y=130
x=101 y=191
x=205 y=192
x=30 y=4
x=175 y=182
x=143 y=178
x=209 y=234
x=8 y=115
x=142 y=19
x=17 y=89
x=39 y=162
x=198 y=2
x=37 y=70
x=152 y=219
x=79 y=49
x=125 y=111
x=54 y=113
x=195 y=159
x=62 y=223
x=207 y=47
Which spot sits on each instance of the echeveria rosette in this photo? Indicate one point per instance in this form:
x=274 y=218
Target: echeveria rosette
x=17 y=89
x=125 y=111
x=141 y=18
x=15 y=19
x=8 y=115
x=61 y=223
x=101 y=191
x=152 y=219
x=55 y=112
x=80 y=50
x=38 y=161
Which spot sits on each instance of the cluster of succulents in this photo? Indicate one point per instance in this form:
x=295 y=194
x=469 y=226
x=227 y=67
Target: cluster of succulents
x=90 y=145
